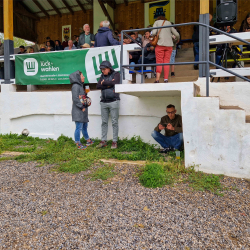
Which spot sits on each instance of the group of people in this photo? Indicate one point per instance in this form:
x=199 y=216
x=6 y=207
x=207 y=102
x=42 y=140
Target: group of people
x=110 y=104
x=220 y=48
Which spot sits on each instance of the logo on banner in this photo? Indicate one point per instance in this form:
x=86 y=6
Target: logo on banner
x=111 y=55
x=30 y=66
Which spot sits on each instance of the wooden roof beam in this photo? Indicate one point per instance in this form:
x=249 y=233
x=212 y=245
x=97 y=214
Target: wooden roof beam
x=41 y=8
x=106 y=13
x=68 y=7
x=20 y=8
x=55 y=8
x=126 y=2
x=81 y=6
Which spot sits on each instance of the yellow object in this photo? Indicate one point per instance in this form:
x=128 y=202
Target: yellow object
x=8 y=19
x=160 y=8
x=204 y=6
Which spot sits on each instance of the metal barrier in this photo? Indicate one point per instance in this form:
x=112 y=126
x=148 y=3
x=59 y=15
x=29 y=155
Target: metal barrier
x=205 y=43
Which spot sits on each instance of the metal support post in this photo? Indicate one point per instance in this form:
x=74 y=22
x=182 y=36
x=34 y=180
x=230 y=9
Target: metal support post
x=142 y=62
x=121 y=59
x=9 y=67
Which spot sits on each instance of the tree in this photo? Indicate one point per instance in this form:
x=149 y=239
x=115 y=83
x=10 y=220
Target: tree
x=17 y=41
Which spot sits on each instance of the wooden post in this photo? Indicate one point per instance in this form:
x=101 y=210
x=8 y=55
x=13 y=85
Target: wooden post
x=8 y=19
x=204 y=6
x=9 y=69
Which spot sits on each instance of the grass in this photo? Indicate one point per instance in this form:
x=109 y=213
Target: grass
x=65 y=157
x=167 y=173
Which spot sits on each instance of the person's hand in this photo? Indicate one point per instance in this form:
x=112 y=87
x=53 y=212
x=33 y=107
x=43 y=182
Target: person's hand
x=130 y=57
x=161 y=127
x=102 y=81
x=170 y=127
x=83 y=110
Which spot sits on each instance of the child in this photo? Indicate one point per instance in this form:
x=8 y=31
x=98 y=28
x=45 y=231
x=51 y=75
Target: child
x=79 y=108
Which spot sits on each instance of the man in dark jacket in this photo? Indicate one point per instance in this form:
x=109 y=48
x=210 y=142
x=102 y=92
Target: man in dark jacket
x=104 y=37
x=79 y=110
x=86 y=37
x=172 y=124
x=110 y=102
x=149 y=55
x=58 y=45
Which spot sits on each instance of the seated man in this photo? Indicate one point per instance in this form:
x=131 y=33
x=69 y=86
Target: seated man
x=172 y=123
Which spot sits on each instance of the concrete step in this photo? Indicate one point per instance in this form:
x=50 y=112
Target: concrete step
x=231 y=107
x=248 y=119
x=174 y=79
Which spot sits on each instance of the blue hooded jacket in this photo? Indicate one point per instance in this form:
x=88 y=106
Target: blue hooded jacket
x=104 y=37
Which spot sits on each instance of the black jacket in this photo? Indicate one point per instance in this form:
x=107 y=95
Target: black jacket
x=81 y=40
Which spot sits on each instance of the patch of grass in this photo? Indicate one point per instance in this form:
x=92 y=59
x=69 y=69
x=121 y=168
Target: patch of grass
x=167 y=173
x=154 y=176
x=6 y=158
x=201 y=181
x=103 y=173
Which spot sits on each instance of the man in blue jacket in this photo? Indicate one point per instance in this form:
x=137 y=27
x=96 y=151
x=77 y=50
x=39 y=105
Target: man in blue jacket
x=104 y=36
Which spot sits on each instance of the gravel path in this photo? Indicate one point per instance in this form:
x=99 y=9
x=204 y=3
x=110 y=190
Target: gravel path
x=40 y=209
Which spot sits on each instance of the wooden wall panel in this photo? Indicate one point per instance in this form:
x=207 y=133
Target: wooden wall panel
x=52 y=26
x=129 y=16
x=243 y=10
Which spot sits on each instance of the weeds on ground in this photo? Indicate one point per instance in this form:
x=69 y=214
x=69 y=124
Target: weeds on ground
x=103 y=173
x=67 y=158
x=167 y=173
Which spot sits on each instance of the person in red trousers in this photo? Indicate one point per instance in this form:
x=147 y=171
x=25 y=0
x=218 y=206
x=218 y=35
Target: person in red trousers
x=164 y=46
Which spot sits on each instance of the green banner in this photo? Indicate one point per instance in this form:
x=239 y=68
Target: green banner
x=55 y=67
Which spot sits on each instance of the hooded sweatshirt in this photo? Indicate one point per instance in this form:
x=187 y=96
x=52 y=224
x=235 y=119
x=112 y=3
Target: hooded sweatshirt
x=104 y=37
x=77 y=89
x=108 y=86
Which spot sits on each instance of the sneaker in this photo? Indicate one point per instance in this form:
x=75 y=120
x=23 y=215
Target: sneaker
x=166 y=81
x=102 y=144
x=156 y=81
x=114 y=145
x=89 y=142
x=165 y=150
x=80 y=146
x=172 y=74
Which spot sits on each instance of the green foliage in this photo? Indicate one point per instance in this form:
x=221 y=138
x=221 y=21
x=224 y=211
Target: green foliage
x=154 y=176
x=1 y=145
x=201 y=181
x=103 y=173
x=17 y=41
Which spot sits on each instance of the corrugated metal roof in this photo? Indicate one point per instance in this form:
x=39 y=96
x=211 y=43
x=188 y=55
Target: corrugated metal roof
x=60 y=5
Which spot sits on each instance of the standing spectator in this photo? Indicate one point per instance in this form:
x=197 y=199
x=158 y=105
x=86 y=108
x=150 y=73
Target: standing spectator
x=79 y=110
x=22 y=50
x=30 y=50
x=173 y=55
x=164 y=46
x=43 y=48
x=110 y=102
x=71 y=45
x=58 y=45
x=76 y=41
x=104 y=36
x=145 y=39
x=86 y=37
x=52 y=44
x=65 y=42
x=49 y=45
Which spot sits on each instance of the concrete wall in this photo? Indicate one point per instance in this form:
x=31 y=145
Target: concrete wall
x=216 y=140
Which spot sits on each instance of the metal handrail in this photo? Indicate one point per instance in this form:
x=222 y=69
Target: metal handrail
x=207 y=61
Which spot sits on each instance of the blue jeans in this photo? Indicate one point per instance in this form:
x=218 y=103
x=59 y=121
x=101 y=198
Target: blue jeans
x=196 y=52
x=174 y=141
x=81 y=127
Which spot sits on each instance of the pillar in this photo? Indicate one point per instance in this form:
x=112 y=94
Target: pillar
x=9 y=70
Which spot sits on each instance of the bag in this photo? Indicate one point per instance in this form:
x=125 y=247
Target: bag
x=85 y=100
x=155 y=39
